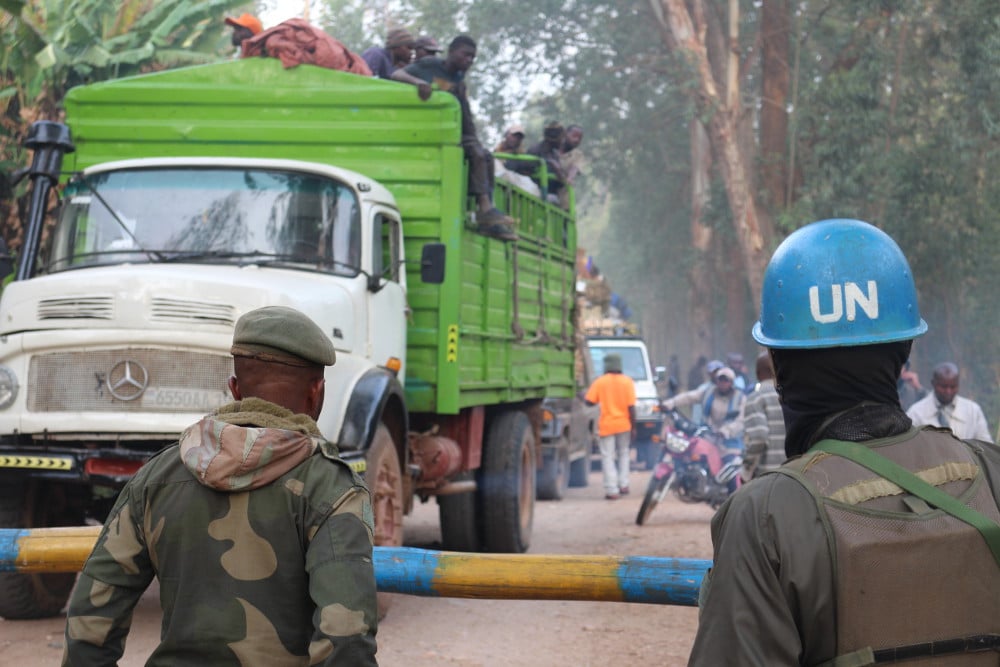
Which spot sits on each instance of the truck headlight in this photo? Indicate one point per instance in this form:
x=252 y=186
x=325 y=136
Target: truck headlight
x=646 y=407
x=8 y=387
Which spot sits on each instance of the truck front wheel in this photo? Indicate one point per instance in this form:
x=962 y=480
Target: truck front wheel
x=507 y=484
x=382 y=472
x=26 y=596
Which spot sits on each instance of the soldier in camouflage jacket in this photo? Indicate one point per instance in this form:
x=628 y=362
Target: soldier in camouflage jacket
x=260 y=536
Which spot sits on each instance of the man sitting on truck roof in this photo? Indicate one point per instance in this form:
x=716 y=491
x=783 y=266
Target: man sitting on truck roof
x=425 y=46
x=449 y=74
x=549 y=149
x=244 y=27
x=397 y=53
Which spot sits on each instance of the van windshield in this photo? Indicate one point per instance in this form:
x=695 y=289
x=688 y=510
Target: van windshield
x=209 y=215
x=633 y=361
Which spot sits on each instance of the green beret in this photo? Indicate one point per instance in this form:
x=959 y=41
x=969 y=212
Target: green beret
x=612 y=362
x=283 y=335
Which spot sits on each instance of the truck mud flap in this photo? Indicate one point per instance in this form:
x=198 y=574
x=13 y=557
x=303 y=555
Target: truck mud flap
x=364 y=409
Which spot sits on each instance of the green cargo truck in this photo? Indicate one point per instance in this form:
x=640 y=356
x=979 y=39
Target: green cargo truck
x=192 y=196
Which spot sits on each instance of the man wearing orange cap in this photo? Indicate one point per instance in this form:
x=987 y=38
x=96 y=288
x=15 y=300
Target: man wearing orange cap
x=244 y=27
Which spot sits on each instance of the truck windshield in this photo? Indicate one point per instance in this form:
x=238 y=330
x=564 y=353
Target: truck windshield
x=211 y=215
x=633 y=361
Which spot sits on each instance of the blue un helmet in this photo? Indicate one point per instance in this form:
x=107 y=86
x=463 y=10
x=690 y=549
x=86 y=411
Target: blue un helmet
x=836 y=283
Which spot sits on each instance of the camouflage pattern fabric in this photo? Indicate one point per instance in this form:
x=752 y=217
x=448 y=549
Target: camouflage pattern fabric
x=261 y=539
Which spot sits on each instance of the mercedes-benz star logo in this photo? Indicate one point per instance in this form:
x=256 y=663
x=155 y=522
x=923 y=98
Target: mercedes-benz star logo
x=127 y=380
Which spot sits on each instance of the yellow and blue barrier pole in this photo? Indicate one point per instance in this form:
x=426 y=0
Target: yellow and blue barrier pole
x=644 y=579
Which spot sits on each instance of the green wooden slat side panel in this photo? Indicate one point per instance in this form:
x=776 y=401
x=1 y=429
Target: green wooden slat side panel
x=510 y=304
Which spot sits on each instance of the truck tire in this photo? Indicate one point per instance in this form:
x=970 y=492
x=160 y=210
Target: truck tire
x=385 y=481
x=579 y=472
x=507 y=484
x=553 y=478
x=28 y=596
x=459 y=521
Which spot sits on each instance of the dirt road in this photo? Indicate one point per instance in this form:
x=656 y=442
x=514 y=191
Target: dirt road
x=425 y=632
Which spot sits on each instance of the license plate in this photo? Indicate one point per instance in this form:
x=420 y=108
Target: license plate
x=183 y=399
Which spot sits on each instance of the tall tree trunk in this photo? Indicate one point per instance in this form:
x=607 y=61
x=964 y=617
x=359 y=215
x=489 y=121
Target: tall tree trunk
x=754 y=228
x=700 y=276
x=776 y=29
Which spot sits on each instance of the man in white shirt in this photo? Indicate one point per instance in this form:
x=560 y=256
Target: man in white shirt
x=945 y=408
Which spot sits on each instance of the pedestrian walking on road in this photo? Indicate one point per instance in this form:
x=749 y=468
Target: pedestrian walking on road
x=614 y=392
x=878 y=540
x=259 y=534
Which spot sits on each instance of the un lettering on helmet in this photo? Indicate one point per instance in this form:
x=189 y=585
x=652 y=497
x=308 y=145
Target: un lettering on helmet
x=854 y=298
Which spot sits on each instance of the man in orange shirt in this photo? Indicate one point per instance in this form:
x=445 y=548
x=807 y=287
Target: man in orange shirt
x=615 y=393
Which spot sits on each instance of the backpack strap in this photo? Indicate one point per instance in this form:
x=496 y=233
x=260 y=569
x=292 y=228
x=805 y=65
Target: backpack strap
x=906 y=480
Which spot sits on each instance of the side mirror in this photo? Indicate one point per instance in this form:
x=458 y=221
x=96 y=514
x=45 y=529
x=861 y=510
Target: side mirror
x=432 y=263
x=661 y=373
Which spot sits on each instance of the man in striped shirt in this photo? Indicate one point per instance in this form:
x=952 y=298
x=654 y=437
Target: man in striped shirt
x=763 y=424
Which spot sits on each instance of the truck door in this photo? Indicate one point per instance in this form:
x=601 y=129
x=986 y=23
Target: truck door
x=387 y=317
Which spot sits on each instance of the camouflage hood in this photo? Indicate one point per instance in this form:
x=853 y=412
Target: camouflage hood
x=247 y=444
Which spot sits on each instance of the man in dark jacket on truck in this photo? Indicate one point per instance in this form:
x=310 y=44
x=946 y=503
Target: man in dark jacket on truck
x=260 y=535
x=449 y=74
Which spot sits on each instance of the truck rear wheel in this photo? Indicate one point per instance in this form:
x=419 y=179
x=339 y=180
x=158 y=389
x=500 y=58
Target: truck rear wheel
x=27 y=596
x=553 y=478
x=459 y=520
x=385 y=481
x=507 y=484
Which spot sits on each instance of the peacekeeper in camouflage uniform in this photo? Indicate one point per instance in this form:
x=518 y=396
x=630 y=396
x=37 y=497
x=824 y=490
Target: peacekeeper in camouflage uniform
x=260 y=536
x=879 y=541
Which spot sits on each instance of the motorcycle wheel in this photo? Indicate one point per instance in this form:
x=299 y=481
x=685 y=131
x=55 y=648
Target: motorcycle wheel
x=655 y=492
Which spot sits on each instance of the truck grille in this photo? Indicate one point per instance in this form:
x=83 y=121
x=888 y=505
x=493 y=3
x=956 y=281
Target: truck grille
x=159 y=381
x=176 y=310
x=76 y=307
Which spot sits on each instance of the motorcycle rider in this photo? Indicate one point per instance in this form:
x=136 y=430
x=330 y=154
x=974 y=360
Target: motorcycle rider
x=843 y=555
x=722 y=408
x=711 y=368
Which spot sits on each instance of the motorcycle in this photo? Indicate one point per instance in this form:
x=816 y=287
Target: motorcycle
x=691 y=466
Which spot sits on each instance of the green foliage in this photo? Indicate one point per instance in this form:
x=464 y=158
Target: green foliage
x=897 y=122
x=55 y=45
